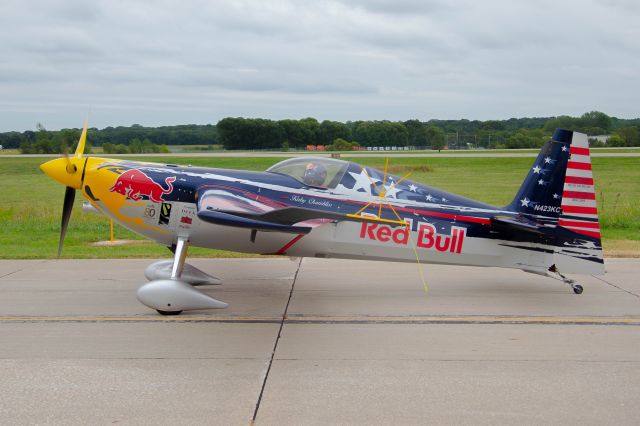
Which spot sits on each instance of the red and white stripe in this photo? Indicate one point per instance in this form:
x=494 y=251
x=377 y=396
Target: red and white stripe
x=579 y=195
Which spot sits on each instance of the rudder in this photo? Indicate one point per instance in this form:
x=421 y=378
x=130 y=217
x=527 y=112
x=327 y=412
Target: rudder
x=578 y=240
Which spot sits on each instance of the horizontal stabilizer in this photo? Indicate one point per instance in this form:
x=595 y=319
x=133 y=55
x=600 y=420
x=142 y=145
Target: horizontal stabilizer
x=520 y=228
x=516 y=225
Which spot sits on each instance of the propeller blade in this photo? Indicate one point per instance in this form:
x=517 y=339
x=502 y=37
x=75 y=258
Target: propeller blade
x=83 y=140
x=67 y=206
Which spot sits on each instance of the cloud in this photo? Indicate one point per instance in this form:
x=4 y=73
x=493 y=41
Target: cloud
x=172 y=62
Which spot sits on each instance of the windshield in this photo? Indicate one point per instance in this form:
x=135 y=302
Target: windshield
x=313 y=171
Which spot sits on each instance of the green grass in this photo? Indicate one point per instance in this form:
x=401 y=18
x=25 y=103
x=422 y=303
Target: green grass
x=32 y=203
x=619 y=150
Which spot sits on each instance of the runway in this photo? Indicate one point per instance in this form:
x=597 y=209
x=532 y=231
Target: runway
x=319 y=341
x=515 y=153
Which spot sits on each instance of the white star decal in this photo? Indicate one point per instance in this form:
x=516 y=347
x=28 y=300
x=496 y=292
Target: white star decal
x=540 y=182
x=556 y=196
x=536 y=170
x=564 y=148
x=412 y=188
x=390 y=191
x=525 y=202
x=429 y=197
x=547 y=160
x=363 y=181
x=444 y=200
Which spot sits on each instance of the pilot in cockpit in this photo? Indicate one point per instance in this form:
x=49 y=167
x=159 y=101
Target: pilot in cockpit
x=314 y=174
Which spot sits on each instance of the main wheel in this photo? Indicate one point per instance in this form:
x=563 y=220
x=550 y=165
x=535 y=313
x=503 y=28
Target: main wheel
x=577 y=288
x=168 y=312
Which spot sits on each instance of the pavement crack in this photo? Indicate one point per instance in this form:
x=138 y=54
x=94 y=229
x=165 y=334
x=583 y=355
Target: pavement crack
x=618 y=287
x=10 y=273
x=275 y=345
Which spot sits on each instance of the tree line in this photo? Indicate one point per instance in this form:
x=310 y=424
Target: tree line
x=250 y=133
x=257 y=134
x=129 y=139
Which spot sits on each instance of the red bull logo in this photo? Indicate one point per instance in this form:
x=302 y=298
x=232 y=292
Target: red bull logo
x=427 y=237
x=135 y=184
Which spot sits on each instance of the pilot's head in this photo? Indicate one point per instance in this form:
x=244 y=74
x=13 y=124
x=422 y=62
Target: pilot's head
x=315 y=174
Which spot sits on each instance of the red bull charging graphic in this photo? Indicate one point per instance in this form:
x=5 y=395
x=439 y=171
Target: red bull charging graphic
x=135 y=185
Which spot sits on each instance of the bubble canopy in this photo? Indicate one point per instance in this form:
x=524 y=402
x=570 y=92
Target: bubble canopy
x=313 y=171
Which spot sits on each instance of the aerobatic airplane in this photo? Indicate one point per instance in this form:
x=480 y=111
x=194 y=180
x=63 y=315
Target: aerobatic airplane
x=322 y=207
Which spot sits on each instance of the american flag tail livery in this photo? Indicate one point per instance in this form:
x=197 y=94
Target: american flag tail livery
x=559 y=193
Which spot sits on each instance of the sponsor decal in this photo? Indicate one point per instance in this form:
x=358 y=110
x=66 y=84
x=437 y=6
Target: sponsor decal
x=187 y=213
x=150 y=211
x=427 y=237
x=165 y=214
x=384 y=233
x=137 y=185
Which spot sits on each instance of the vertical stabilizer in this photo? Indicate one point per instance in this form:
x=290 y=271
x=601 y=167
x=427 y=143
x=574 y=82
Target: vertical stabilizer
x=558 y=194
x=541 y=191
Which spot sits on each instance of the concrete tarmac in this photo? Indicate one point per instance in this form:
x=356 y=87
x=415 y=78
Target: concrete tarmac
x=319 y=342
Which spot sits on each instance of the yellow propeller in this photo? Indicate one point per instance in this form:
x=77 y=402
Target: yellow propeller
x=68 y=171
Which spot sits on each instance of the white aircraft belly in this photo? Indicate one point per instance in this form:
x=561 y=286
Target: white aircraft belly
x=345 y=240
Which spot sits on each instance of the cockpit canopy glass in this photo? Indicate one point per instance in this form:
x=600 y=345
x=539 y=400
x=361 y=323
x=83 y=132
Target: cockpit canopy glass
x=313 y=171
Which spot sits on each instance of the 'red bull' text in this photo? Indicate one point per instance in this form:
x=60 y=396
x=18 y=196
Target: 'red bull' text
x=427 y=237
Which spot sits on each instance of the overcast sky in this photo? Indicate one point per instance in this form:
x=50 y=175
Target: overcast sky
x=187 y=61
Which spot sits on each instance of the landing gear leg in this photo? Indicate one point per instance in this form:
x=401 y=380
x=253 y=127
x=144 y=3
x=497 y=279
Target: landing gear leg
x=182 y=245
x=179 y=257
x=577 y=288
x=172 y=296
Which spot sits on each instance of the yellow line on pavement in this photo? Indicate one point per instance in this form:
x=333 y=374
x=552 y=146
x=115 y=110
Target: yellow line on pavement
x=309 y=319
x=468 y=319
x=138 y=318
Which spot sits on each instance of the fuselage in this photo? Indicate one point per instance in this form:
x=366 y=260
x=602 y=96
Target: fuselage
x=320 y=207
x=160 y=201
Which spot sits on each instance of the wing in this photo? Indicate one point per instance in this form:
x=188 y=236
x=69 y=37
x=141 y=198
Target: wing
x=223 y=207
x=229 y=219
